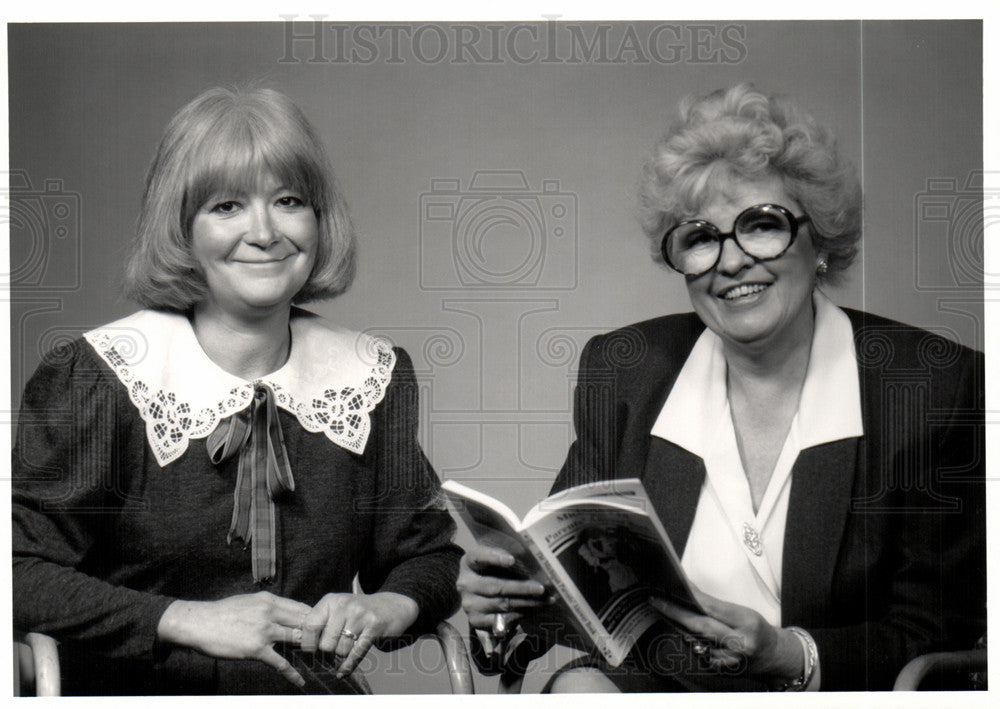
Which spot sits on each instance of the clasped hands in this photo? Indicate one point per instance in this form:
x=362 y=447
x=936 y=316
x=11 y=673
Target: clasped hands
x=728 y=635
x=247 y=626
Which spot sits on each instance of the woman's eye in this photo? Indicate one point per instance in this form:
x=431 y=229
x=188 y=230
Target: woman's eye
x=290 y=201
x=762 y=221
x=764 y=225
x=701 y=237
x=227 y=207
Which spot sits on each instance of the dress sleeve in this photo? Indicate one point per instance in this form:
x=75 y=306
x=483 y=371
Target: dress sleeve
x=68 y=467
x=411 y=550
x=936 y=596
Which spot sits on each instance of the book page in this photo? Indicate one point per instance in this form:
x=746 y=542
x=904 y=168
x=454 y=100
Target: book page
x=627 y=492
x=616 y=558
x=492 y=523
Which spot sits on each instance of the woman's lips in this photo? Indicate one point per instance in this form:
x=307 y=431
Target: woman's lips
x=258 y=262
x=743 y=290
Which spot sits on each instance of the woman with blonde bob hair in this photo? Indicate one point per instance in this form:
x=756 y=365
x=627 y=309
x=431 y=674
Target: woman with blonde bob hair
x=218 y=141
x=232 y=461
x=803 y=458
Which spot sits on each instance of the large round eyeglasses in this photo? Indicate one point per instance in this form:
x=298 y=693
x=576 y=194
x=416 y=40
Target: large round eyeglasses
x=764 y=232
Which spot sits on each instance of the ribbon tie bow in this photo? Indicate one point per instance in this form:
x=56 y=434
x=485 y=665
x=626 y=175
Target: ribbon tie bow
x=263 y=473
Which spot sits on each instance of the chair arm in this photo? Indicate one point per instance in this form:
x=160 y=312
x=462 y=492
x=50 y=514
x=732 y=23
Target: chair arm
x=45 y=659
x=456 y=655
x=40 y=658
x=913 y=673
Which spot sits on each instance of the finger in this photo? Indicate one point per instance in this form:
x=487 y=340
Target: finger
x=313 y=622
x=701 y=625
x=483 y=557
x=289 y=612
x=505 y=604
x=495 y=586
x=726 y=659
x=673 y=611
x=269 y=657
x=494 y=561
x=731 y=614
x=284 y=634
x=359 y=649
x=333 y=632
x=348 y=639
x=484 y=621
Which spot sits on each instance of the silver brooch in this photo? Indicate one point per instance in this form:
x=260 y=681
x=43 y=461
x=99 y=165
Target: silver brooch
x=752 y=539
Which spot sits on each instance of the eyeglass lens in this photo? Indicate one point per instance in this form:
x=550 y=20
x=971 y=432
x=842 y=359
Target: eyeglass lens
x=762 y=232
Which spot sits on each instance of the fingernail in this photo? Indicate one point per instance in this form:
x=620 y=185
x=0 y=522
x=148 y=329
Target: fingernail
x=537 y=588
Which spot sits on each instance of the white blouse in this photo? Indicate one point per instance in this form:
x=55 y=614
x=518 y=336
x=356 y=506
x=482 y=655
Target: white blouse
x=733 y=553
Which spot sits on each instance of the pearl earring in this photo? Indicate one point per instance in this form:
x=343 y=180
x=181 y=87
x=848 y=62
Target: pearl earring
x=822 y=267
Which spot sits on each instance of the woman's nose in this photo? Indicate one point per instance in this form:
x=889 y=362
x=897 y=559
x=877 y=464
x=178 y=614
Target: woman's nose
x=733 y=259
x=261 y=231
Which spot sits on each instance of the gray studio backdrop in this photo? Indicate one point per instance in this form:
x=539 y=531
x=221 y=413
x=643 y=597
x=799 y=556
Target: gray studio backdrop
x=492 y=172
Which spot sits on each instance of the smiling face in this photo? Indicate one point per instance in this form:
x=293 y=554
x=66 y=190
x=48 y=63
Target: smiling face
x=256 y=248
x=749 y=304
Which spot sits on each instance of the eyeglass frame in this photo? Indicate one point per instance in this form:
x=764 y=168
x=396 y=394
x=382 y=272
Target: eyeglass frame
x=794 y=223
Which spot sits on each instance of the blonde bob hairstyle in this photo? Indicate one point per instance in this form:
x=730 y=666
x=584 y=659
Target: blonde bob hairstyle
x=225 y=140
x=740 y=134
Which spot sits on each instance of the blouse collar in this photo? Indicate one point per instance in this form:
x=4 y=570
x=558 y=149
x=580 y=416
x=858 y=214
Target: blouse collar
x=829 y=407
x=331 y=382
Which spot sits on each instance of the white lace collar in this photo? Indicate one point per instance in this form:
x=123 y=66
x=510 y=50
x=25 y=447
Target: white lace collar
x=331 y=382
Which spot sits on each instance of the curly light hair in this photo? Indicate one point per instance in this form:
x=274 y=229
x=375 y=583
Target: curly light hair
x=742 y=134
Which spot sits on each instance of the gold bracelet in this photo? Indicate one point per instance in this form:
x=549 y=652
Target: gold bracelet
x=810 y=660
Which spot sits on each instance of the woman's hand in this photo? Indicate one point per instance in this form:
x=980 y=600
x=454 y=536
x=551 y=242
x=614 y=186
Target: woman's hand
x=484 y=580
x=348 y=624
x=237 y=628
x=739 y=637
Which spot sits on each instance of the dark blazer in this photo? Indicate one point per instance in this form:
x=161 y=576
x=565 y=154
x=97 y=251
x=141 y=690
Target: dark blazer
x=885 y=554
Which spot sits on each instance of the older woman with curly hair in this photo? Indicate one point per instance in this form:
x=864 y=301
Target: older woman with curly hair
x=197 y=485
x=819 y=470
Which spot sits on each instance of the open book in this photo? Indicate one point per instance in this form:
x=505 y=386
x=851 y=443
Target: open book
x=600 y=547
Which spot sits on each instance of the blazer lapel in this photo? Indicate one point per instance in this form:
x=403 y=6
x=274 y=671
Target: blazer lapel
x=818 y=505
x=671 y=475
x=673 y=478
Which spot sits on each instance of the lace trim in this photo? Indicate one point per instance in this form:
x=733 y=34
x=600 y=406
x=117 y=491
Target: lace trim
x=341 y=414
